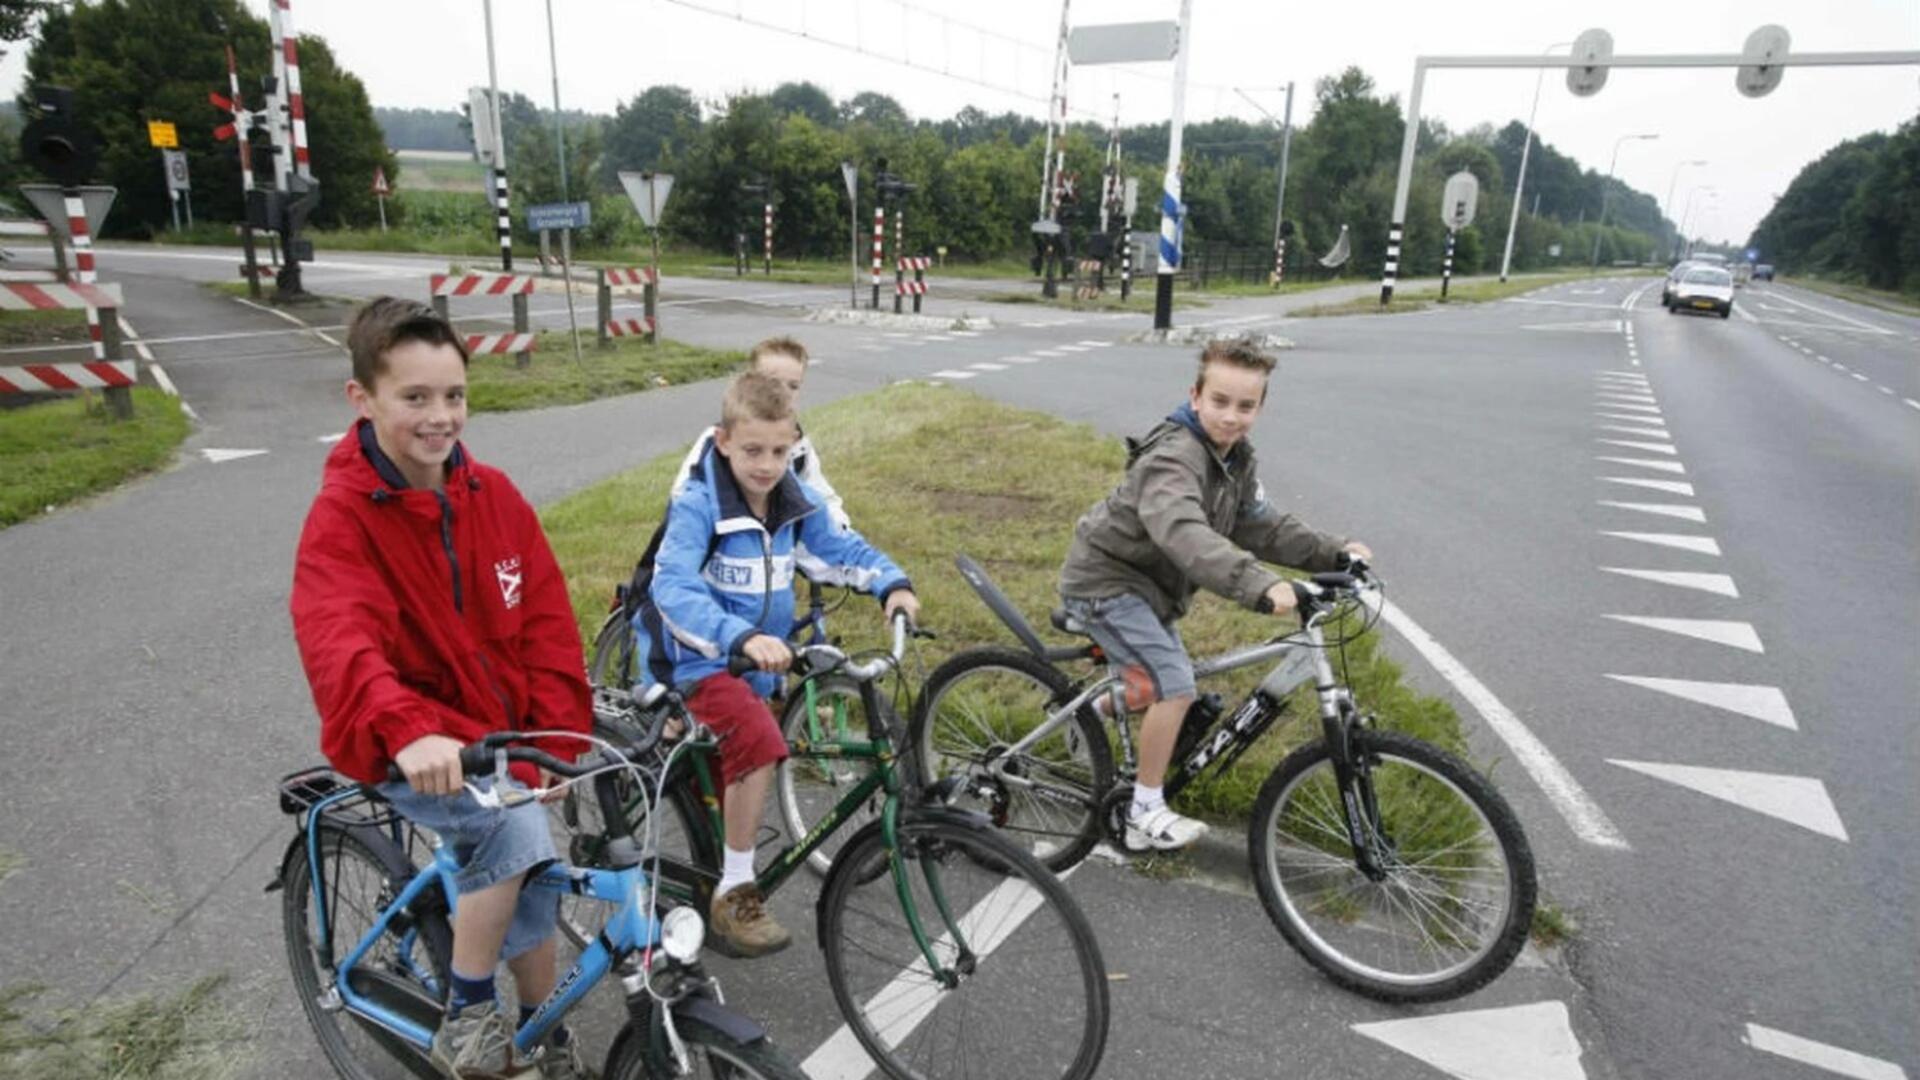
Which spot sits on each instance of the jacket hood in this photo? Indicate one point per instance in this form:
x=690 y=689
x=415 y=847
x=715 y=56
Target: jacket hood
x=357 y=464
x=1186 y=417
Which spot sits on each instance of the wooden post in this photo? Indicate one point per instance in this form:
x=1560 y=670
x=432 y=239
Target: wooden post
x=603 y=310
x=649 y=302
x=119 y=398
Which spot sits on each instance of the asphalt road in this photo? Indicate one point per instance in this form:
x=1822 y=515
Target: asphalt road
x=1462 y=443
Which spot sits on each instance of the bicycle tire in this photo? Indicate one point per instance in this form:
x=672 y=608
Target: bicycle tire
x=612 y=663
x=362 y=871
x=713 y=1053
x=1470 y=923
x=977 y=703
x=806 y=788
x=1038 y=1006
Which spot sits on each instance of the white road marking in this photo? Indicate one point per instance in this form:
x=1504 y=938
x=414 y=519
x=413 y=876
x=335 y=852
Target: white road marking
x=1650 y=447
x=328 y=440
x=1797 y=800
x=1628 y=406
x=1763 y=703
x=1859 y=376
x=1611 y=371
x=1671 y=487
x=1822 y=359
x=1634 y=396
x=1672 y=510
x=954 y=374
x=1702 y=545
x=1521 y=1042
x=1095 y=344
x=1632 y=418
x=1657 y=433
x=963 y=333
x=1647 y=463
x=1582 y=814
x=1729 y=632
x=1559 y=303
x=1888 y=390
x=278 y=314
x=1744 y=314
x=1719 y=584
x=1600 y=326
x=986 y=366
x=1021 y=359
x=1049 y=353
x=1072 y=348
x=1911 y=403
x=1821 y=1056
x=1862 y=324
x=218 y=455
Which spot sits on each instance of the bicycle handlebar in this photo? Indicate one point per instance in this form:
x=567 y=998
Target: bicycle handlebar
x=816 y=658
x=477 y=758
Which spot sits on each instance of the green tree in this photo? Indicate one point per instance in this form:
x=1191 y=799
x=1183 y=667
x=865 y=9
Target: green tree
x=805 y=99
x=648 y=131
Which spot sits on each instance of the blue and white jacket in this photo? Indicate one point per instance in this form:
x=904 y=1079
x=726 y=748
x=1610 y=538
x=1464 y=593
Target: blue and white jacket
x=722 y=576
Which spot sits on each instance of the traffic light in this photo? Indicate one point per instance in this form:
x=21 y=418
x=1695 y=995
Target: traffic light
x=53 y=143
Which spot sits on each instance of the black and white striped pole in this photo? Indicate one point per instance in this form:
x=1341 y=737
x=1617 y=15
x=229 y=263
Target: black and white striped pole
x=1446 y=265
x=503 y=219
x=1397 y=225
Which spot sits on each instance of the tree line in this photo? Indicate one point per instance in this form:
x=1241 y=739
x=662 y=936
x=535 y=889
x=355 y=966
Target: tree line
x=1854 y=214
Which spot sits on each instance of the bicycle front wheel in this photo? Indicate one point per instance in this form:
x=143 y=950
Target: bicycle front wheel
x=1020 y=988
x=1450 y=905
x=613 y=663
x=406 y=971
x=1046 y=799
x=712 y=1053
x=808 y=788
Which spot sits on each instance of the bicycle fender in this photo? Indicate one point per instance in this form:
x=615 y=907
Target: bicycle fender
x=734 y=1024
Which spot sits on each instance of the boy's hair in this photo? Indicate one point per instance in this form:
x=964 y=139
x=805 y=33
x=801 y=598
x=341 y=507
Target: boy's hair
x=1238 y=352
x=754 y=396
x=777 y=346
x=386 y=321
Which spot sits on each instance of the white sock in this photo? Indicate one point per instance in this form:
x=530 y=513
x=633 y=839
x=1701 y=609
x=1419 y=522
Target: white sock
x=1146 y=800
x=735 y=871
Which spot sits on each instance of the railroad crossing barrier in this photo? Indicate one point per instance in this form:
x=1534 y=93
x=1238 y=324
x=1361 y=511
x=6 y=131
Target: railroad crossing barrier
x=622 y=279
x=517 y=286
x=106 y=372
x=915 y=288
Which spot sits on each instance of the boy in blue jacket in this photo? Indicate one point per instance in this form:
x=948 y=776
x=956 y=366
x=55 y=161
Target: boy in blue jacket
x=723 y=586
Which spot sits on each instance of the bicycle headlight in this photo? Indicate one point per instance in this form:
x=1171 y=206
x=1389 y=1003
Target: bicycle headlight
x=682 y=932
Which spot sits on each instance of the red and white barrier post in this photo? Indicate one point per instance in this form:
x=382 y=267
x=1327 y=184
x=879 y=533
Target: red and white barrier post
x=916 y=288
x=106 y=371
x=769 y=240
x=648 y=280
x=522 y=341
x=879 y=241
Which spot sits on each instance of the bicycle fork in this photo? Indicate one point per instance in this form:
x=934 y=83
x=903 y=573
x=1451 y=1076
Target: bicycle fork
x=1352 y=768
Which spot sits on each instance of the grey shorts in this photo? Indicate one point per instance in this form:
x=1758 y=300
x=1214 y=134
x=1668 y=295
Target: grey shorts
x=1131 y=635
x=492 y=846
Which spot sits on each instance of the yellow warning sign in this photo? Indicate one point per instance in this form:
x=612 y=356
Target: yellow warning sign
x=161 y=134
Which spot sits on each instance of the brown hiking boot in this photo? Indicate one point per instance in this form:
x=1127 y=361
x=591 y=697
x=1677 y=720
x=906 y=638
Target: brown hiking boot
x=741 y=925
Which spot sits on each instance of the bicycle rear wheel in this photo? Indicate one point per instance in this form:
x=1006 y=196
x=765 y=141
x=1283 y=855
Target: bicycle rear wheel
x=361 y=873
x=807 y=788
x=613 y=663
x=1030 y=992
x=1454 y=901
x=1047 y=799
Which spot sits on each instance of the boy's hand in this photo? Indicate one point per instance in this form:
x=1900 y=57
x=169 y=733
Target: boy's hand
x=767 y=652
x=1282 y=598
x=904 y=600
x=1359 y=550
x=431 y=764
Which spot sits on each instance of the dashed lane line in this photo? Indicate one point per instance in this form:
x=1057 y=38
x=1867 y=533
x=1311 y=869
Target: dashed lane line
x=1732 y=633
x=1699 y=545
x=986 y=365
x=1796 y=800
x=1763 y=703
x=278 y=314
x=953 y=374
x=1831 y=1059
x=1646 y=463
x=1672 y=510
x=1717 y=584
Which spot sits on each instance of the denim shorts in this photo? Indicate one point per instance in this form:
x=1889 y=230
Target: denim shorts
x=492 y=846
x=1131 y=635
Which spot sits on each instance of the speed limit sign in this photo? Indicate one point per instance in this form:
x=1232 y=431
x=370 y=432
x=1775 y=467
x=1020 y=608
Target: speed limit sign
x=177 y=171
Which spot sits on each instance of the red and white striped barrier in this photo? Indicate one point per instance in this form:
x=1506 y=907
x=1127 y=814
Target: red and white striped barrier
x=39 y=378
x=480 y=284
x=910 y=288
x=636 y=275
x=495 y=344
x=296 y=101
x=51 y=296
x=916 y=262
x=631 y=327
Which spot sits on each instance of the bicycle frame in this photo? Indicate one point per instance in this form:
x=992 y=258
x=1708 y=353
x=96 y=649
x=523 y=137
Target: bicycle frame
x=628 y=929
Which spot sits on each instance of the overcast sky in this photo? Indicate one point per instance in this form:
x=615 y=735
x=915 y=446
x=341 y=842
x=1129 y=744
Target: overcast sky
x=426 y=52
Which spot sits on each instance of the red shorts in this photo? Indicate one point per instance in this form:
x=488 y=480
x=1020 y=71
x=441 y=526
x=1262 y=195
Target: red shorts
x=749 y=736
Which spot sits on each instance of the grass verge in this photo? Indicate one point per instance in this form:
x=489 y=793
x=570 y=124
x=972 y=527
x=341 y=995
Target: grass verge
x=927 y=472
x=180 y=1035
x=1465 y=292
x=1140 y=301
x=498 y=384
x=1898 y=303
x=43 y=327
x=60 y=450
x=1552 y=926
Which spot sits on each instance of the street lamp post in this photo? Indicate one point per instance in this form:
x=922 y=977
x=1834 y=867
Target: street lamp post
x=1666 y=208
x=1606 y=190
x=1688 y=215
x=1520 y=183
x=1280 y=200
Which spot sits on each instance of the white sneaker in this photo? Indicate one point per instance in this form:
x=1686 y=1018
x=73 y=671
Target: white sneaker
x=1160 y=829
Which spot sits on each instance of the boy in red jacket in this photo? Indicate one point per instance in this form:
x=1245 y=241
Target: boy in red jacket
x=429 y=611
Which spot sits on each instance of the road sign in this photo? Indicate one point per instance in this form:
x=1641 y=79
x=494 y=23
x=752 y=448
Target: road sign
x=1131 y=200
x=851 y=174
x=480 y=119
x=176 y=170
x=1766 y=55
x=1593 y=49
x=161 y=134
x=1123 y=43
x=95 y=199
x=1043 y=227
x=380 y=186
x=648 y=192
x=562 y=215
x=1459 y=200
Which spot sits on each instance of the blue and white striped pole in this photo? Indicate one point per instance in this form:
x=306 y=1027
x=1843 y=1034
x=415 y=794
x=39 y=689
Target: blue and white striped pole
x=1172 y=213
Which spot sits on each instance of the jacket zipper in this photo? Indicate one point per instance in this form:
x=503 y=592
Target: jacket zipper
x=446 y=544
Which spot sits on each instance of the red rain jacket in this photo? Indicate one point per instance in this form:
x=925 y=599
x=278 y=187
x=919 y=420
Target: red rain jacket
x=430 y=613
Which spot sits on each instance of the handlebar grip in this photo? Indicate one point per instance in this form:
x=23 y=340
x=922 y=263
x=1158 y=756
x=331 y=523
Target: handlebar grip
x=741 y=664
x=476 y=759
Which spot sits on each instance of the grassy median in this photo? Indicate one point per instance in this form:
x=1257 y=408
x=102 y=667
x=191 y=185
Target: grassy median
x=928 y=472
x=63 y=449
x=554 y=377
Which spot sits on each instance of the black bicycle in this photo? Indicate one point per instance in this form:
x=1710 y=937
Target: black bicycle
x=1389 y=863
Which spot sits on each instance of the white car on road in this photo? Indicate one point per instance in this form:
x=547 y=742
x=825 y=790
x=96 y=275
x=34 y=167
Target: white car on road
x=1703 y=288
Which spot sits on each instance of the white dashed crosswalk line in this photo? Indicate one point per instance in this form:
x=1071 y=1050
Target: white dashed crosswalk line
x=1650 y=447
x=1719 y=584
x=1521 y=1042
x=1699 y=545
x=1655 y=433
x=953 y=374
x=1821 y=1056
x=1764 y=703
x=987 y=366
x=1672 y=487
x=1629 y=406
x=1797 y=800
x=1048 y=353
x=1072 y=348
x=1630 y=418
x=1729 y=632
x=1095 y=344
x=1859 y=377
x=1020 y=359
x=1646 y=463
x=1672 y=510
x=1911 y=403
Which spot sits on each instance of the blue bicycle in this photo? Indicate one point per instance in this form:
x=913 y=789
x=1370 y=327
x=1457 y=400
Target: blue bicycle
x=368 y=901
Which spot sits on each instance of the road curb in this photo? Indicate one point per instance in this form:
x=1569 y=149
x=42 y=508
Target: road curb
x=888 y=320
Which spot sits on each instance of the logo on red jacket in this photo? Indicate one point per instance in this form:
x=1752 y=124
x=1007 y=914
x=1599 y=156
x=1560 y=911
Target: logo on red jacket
x=509 y=574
